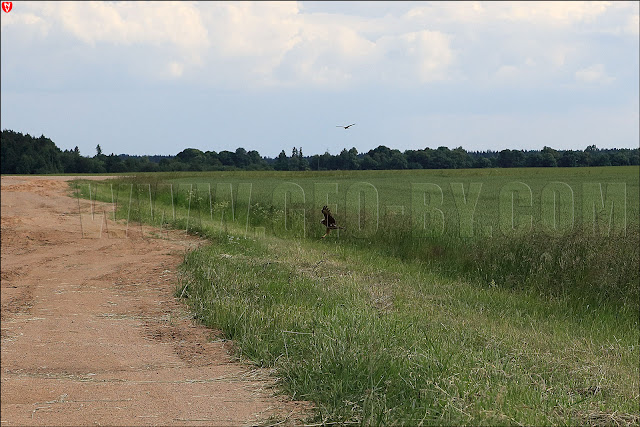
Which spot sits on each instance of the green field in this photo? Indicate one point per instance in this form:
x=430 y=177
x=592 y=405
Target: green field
x=490 y=296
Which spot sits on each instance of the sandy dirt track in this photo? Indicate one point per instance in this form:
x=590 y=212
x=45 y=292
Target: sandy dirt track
x=91 y=331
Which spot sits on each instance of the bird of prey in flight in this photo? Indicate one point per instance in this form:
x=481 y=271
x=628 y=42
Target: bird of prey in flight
x=347 y=126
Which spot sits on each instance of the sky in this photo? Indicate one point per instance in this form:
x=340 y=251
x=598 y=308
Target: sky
x=145 y=78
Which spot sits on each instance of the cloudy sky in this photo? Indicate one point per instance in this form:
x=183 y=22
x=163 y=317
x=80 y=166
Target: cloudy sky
x=158 y=77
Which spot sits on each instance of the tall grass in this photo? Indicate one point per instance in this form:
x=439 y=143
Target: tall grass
x=594 y=268
x=591 y=269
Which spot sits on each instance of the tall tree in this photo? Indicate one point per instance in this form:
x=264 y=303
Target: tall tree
x=281 y=163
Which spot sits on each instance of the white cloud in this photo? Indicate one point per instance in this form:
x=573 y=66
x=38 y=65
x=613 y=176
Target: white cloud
x=176 y=69
x=241 y=29
x=154 y=22
x=18 y=18
x=277 y=44
x=424 y=55
x=253 y=44
x=27 y=22
x=546 y=40
x=634 y=25
x=324 y=53
x=173 y=25
x=539 y=12
x=552 y=12
x=593 y=74
x=558 y=55
x=507 y=72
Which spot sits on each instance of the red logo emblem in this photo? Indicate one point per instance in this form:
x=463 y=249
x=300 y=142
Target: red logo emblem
x=7 y=6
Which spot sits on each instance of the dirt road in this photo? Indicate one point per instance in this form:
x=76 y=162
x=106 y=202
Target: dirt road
x=91 y=332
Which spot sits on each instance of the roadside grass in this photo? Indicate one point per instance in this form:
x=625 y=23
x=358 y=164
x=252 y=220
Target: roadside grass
x=538 y=328
x=371 y=340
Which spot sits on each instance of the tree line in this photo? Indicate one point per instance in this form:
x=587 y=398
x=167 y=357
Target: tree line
x=24 y=154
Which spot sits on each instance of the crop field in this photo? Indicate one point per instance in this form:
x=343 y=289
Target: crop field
x=486 y=296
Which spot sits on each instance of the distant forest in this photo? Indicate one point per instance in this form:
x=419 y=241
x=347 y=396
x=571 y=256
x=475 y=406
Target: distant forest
x=24 y=154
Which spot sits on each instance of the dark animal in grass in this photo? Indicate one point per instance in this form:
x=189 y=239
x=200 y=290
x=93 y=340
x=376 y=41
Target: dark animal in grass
x=329 y=221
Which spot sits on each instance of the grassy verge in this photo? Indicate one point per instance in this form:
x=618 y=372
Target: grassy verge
x=375 y=341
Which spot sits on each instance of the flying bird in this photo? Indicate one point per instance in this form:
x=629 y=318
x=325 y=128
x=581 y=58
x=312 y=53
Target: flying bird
x=347 y=126
x=329 y=221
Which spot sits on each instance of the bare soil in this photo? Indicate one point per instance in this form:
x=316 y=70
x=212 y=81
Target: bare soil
x=92 y=333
